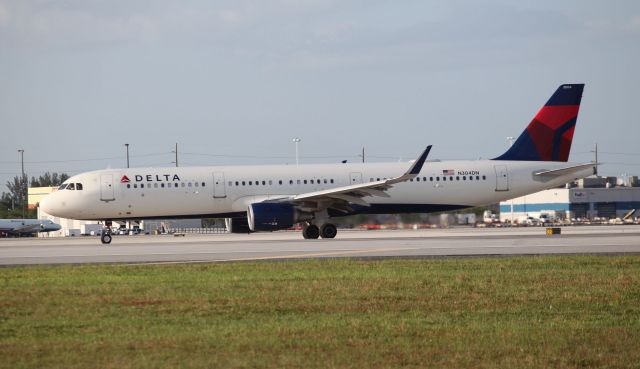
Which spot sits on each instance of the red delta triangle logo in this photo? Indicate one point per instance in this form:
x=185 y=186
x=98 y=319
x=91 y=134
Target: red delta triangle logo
x=125 y=179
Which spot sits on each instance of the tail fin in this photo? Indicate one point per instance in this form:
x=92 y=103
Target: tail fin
x=548 y=136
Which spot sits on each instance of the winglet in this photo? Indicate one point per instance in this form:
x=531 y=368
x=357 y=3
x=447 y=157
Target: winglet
x=417 y=165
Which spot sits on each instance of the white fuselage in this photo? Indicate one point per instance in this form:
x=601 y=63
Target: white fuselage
x=228 y=190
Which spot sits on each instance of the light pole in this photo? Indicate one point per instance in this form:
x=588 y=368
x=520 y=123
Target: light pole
x=296 y=141
x=22 y=194
x=510 y=139
x=127 y=146
x=176 y=152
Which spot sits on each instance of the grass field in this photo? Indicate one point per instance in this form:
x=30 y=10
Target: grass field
x=526 y=312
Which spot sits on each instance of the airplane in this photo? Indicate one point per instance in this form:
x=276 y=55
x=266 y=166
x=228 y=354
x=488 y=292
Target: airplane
x=17 y=227
x=275 y=197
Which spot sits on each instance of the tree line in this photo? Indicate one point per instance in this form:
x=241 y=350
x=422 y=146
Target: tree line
x=11 y=202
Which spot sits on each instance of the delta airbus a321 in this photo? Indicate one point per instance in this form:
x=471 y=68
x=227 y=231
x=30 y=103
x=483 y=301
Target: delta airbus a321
x=275 y=197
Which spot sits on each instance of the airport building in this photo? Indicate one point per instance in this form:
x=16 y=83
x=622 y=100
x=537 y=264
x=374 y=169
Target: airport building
x=588 y=198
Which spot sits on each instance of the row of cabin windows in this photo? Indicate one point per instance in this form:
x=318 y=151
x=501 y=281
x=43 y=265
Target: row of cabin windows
x=168 y=185
x=444 y=178
x=71 y=186
x=78 y=186
x=280 y=182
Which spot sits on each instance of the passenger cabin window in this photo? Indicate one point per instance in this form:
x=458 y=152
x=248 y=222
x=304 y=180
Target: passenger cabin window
x=202 y=184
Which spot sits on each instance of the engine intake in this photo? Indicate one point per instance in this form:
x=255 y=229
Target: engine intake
x=272 y=216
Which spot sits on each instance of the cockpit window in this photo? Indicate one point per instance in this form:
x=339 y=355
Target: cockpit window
x=79 y=186
x=62 y=186
x=71 y=186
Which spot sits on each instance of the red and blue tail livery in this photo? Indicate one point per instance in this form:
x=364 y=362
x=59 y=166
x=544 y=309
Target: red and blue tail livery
x=548 y=136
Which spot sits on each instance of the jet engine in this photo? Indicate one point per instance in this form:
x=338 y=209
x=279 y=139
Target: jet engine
x=273 y=216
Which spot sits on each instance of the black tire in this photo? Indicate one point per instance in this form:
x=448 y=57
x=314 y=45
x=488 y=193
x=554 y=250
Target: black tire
x=328 y=231
x=105 y=238
x=311 y=231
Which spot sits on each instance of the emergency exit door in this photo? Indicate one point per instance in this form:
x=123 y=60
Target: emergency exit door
x=355 y=178
x=219 y=189
x=502 y=178
x=106 y=187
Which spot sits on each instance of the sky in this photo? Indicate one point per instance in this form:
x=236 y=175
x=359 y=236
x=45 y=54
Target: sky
x=233 y=82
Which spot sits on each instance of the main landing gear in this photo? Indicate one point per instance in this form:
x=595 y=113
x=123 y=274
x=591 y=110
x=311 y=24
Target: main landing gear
x=327 y=230
x=105 y=238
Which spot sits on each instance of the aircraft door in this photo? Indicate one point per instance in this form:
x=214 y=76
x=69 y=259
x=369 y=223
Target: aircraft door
x=106 y=187
x=219 y=189
x=502 y=178
x=355 y=178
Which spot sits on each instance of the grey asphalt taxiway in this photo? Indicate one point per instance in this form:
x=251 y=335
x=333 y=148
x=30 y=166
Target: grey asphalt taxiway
x=290 y=245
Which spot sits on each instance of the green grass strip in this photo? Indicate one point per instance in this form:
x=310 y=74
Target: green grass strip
x=522 y=312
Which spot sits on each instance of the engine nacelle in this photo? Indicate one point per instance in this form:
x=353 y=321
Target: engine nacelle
x=237 y=225
x=272 y=216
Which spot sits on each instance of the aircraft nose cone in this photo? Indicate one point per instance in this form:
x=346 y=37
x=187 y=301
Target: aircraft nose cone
x=46 y=205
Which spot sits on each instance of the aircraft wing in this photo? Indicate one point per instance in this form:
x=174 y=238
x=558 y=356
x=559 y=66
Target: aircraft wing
x=340 y=198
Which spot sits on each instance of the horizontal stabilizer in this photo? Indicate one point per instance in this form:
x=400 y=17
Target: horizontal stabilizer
x=567 y=170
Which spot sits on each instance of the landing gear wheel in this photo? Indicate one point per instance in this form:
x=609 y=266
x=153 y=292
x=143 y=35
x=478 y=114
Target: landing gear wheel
x=106 y=238
x=311 y=231
x=328 y=231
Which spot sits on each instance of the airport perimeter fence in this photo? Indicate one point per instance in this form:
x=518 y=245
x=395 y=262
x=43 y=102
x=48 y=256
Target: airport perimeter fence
x=208 y=230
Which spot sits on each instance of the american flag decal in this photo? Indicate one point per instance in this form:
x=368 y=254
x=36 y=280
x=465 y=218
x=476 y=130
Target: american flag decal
x=448 y=172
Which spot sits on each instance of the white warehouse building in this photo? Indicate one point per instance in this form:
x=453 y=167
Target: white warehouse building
x=602 y=197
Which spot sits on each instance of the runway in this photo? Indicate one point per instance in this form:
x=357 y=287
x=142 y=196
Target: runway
x=290 y=245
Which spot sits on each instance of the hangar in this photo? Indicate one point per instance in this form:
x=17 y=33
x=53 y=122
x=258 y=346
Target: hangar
x=588 y=198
